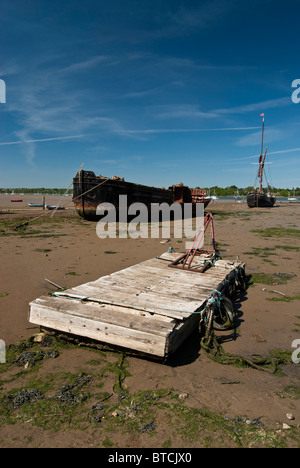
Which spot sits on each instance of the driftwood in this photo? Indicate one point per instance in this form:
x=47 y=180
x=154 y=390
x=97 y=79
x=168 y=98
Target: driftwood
x=54 y=284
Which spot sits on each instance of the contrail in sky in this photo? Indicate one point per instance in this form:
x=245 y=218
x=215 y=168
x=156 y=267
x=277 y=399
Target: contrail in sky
x=19 y=142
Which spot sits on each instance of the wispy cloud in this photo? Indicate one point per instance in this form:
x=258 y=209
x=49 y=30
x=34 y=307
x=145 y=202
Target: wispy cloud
x=187 y=130
x=284 y=151
x=49 y=106
x=142 y=93
x=256 y=106
x=193 y=111
x=20 y=142
x=291 y=150
x=9 y=69
x=183 y=111
x=253 y=139
x=86 y=64
x=203 y=15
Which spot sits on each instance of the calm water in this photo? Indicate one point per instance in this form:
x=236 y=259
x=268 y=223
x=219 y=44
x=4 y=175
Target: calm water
x=243 y=199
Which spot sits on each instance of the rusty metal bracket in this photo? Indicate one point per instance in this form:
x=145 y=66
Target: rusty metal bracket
x=184 y=262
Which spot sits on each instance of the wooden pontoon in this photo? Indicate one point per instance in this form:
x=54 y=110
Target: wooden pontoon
x=149 y=307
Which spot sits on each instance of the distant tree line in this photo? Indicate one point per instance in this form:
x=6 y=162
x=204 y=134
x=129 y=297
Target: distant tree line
x=215 y=190
x=242 y=191
x=39 y=191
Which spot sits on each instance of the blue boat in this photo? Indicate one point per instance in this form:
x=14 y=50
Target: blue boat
x=55 y=207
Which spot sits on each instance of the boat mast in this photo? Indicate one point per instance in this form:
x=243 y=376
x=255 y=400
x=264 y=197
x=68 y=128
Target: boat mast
x=261 y=160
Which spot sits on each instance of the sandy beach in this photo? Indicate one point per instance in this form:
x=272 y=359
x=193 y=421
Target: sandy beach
x=226 y=405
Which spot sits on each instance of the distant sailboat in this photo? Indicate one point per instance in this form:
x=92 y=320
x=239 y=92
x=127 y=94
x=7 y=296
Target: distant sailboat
x=292 y=199
x=257 y=198
x=237 y=197
x=212 y=197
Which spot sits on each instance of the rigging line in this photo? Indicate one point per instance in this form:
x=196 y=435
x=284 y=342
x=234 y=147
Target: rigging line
x=93 y=188
x=71 y=201
x=59 y=203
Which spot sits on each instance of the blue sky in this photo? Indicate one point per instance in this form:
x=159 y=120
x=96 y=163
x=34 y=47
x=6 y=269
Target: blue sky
x=158 y=92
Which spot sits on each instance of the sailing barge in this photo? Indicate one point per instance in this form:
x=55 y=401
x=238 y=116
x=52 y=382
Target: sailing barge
x=90 y=190
x=257 y=198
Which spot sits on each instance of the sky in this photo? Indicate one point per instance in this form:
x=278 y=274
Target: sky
x=155 y=91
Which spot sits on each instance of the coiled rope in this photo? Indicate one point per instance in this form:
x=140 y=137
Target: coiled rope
x=210 y=343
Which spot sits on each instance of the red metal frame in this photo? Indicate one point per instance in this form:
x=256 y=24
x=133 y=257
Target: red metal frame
x=185 y=260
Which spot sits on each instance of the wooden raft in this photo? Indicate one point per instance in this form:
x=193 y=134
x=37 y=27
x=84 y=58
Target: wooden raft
x=148 y=307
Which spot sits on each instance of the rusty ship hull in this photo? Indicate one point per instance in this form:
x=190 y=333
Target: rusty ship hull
x=255 y=199
x=90 y=190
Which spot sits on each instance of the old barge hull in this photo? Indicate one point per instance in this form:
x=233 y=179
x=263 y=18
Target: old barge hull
x=89 y=191
x=147 y=308
x=260 y=200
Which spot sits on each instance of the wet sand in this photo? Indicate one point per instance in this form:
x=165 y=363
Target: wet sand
x=66 y=250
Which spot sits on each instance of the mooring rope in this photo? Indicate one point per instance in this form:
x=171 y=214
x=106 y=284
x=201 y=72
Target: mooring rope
x=210 y=343
x=51 y=213
x=214 y=350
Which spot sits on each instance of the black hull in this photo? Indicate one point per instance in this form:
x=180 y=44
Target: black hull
x=90 y=190
x=260 y=200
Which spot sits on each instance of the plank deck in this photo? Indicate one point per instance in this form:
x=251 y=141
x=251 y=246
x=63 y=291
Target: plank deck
x=148 y=307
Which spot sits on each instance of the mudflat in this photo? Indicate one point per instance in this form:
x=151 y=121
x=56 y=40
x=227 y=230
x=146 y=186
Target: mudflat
x=57 y=393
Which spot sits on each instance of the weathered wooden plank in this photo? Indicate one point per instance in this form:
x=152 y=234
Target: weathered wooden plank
x=112 y=334
x=181 y=332
x=162 y=301
x=185 y=305
x=166 y=286
x=140 y=289
x=107 y=313
x=154 y=276
x=150 y=304
x=221 y=270
x=136 y=287
x=134 y=308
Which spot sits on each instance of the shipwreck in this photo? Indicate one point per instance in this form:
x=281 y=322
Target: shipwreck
x=89 y=191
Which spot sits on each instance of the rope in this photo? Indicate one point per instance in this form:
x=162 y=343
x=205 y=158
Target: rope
x=214 y=350
x=71 y=201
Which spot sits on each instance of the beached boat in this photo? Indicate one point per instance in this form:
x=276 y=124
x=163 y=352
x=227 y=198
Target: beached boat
x=258 y=198
x=36 y=205
x=261 y=200
x=16 y=200
x=55 y=207
x=90 y=190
